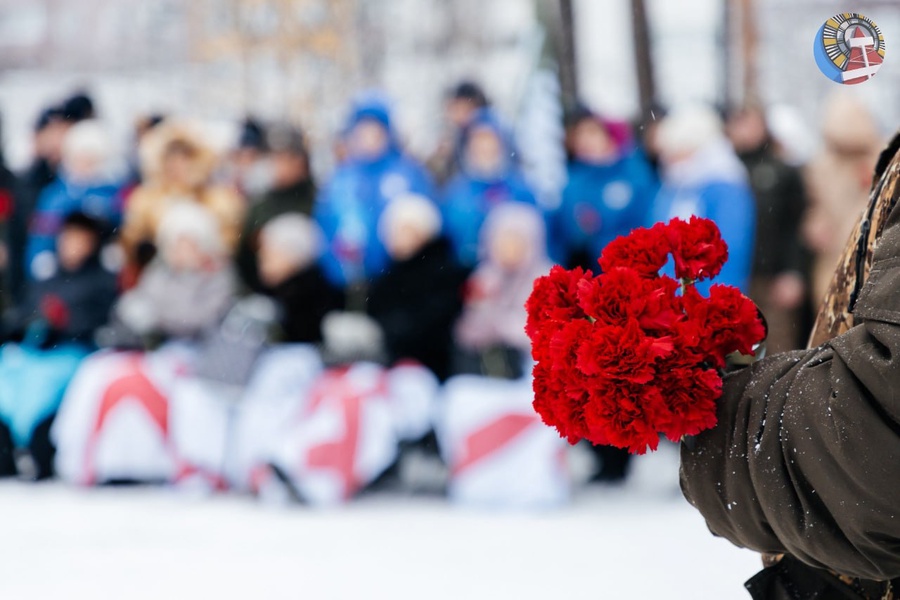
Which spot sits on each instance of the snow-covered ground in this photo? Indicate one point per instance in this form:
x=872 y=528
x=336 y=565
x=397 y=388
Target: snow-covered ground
x=640 y=541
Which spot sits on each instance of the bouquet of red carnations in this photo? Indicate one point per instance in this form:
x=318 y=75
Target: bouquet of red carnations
x=630 y=354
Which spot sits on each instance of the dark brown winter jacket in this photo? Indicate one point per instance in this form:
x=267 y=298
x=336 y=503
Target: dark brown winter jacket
x=805 y=459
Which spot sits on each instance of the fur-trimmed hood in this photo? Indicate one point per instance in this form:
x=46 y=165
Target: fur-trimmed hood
x=154 y=145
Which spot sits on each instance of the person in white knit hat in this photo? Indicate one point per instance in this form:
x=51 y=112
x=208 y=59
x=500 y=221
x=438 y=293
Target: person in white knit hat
x=287 y=262
x=87 y=183
x=419 y=297
x=190 y=284
x=703 y=177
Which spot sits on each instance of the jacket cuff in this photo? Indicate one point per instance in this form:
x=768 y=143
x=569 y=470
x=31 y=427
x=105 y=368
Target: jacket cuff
x=879 y=298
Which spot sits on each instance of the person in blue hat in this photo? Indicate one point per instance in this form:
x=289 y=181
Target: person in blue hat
x=489 y=176
x=610 y=190
x=375 y=171
x=87 y=182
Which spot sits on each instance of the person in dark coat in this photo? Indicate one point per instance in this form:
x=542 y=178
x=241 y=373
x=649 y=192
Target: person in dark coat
x=804 y=463
x=703 y=177
x=289 y=248
x=610 y=190
x=488 y=178
x=76 y=300
x=8 y=184
x=49 y=132
x=78 y=107
x=58 y=315
x=419 y=297
x=87 y=182
x=291 y=189
x=462 y=104
x=779 y=280
x=242 y=160
x=375 y=171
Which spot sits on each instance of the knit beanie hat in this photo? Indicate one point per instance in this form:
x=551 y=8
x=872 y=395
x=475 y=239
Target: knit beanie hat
x=295 y=234
x=188 y=219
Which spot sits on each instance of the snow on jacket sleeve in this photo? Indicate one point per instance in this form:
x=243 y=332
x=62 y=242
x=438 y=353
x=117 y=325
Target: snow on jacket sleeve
x=805 y=458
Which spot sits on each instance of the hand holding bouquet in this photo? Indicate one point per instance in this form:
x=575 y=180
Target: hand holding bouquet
x=630 y=354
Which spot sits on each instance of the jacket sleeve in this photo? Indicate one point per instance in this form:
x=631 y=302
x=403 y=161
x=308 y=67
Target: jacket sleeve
x=805 y=458
x=228 y=208
x=137 y=223
x=796 y=257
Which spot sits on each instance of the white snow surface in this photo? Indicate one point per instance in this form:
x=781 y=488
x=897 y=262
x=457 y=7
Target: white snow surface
x=638 y=541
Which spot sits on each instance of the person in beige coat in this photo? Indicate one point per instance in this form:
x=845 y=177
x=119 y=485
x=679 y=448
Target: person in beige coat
x=838 y=181
x=176 y=167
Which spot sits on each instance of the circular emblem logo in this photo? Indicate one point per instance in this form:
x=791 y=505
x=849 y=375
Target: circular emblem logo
x=849 y=48
x=617 y=195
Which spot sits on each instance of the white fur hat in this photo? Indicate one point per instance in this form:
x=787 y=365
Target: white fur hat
x=410 y=209
x=689 y=129
x=296 y=234
x=189 y=219
x=88 y=138
x=520 y=219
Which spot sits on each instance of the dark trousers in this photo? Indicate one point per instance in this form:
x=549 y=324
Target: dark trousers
x=790 y=579
x=613 y=463
x=39 y=447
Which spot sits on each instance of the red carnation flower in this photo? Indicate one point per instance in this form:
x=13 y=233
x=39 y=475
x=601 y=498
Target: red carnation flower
x=553 y=296
x=552 y=302
x=561 y=393
x=661 y=305
x=620 y=353
x=556 y=407
x=697 y=247
x=726 y=322
x=612 y=298
x=621 y=294
x=644 y=250
x=736 y=318
x=689 y=402
x=624 y=416
x=624 y=357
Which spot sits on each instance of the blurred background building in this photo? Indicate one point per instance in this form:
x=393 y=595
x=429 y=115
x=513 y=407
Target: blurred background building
x=299 y=59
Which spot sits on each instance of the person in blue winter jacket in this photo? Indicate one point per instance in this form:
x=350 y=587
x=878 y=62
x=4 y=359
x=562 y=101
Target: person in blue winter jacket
x=702 y=176
x=85 y=184
x=375 y=171
x=489 y=176
x=610 y=190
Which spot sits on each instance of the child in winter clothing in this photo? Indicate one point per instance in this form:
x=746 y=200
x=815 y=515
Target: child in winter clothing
x=288 y=189
x=419 y=297
x=85 y=184
x=289 y=246
x=77 y=298
x=462 y=104
x=189 y=285
x=375 y=172
x=514 y=254
x=610 y=191
x=57 y=320
x=176 y=166
x=488 y=177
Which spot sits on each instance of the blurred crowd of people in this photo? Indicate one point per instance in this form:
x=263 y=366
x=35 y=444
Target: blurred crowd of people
x=392 y=258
